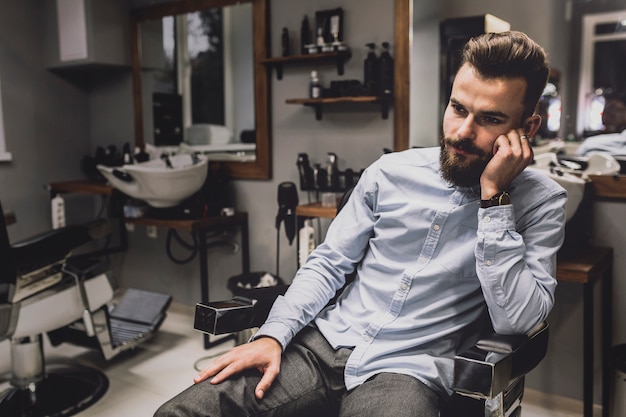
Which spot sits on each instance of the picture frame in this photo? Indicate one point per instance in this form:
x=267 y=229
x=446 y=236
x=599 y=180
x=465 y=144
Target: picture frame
x=331 y=23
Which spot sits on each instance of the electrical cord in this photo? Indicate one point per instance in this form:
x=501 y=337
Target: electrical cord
x=193 y=248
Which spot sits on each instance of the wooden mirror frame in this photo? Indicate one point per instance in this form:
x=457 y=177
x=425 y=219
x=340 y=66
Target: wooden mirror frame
x=261 y=167
x=402 y=72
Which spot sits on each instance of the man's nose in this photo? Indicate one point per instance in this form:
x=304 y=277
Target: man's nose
x=466 y=129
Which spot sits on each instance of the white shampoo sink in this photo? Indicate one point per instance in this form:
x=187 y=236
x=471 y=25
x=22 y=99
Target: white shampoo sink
x=157 y=183
x=573 y=184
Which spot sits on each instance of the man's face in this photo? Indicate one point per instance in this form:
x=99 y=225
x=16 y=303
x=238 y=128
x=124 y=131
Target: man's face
x=479 y=111
x=614 y=115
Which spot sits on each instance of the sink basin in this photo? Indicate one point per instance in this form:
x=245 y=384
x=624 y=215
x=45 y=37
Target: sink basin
x=574 y=184
x=157 y=183
x=594 y=164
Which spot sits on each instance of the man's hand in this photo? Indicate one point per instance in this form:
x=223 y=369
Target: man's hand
x=263 y=354
x=512 y=153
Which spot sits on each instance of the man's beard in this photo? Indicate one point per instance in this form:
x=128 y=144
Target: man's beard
x=458 y=169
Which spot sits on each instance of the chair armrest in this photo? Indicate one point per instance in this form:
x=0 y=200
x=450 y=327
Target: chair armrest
x=53 y=245
x=487 y=368
x=247 y=310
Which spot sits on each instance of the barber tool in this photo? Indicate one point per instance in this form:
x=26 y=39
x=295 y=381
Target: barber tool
x=305 y=172
x=324 y=178
x=287 y=202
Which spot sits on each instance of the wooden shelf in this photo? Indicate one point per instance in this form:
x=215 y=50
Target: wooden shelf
x=318 y=103
x=316 y=210
x=81 y=187
x=339 y=58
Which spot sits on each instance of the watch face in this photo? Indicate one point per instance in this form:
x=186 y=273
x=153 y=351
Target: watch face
x=503 y=198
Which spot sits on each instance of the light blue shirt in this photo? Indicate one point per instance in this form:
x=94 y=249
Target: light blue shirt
x=430 y=265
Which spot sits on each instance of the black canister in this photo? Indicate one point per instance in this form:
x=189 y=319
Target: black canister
x=370 y=70
x=386 y=71
x=305 y=35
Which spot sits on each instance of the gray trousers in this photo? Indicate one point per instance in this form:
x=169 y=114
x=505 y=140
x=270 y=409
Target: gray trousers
x=310 y=383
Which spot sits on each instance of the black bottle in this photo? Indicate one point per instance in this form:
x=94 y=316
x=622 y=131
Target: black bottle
x=386 y=71
x=284 y=42
x=370 y=70
x=305 y=35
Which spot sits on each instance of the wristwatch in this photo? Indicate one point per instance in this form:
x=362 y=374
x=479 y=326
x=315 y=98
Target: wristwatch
x=501 y=199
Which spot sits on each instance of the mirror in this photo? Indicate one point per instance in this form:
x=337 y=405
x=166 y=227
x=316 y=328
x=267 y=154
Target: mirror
x=161 y=79
x=602 y=62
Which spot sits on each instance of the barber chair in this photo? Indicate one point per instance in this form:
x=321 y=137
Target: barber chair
x=488 y=378
x=46 y=287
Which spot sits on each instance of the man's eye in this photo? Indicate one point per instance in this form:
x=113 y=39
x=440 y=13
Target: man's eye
x=458 y=108
x=492 y=120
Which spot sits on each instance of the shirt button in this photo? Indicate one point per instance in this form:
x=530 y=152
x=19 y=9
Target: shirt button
x=366 y=338
x=489 y=262
x=486 y=219
x=436 y=227
x=422 y=260
x=404 y=287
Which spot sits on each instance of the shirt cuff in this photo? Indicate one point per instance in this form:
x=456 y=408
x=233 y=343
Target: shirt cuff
x=276 y=331
x=497 y=218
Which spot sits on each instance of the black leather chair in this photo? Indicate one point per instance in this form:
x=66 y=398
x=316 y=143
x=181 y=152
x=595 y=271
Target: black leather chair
x=46 y=287
x=488 y=378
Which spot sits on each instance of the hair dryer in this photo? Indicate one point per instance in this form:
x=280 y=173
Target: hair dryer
x=287 y=202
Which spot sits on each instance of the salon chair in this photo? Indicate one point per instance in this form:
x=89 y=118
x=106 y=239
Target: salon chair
x=488 y=378
x=49 y=283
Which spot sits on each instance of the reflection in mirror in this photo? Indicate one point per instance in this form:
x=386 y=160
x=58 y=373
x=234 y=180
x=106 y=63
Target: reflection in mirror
x=195 y=73
x=197 y=80
x=602 y=63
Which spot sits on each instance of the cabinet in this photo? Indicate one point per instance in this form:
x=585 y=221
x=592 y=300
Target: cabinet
x=337 y=58
x=87 y=33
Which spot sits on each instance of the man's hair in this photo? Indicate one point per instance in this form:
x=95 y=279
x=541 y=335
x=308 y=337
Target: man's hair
x=615 y=95
x=510 y=55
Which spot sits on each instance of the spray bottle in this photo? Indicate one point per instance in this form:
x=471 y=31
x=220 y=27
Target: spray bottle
x=386 y=71
x=370 y=70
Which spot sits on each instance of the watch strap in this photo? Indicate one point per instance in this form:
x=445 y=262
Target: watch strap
x=500 y=199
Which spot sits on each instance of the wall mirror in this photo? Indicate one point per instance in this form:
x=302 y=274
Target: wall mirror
x=602 y=62
x=197 y=78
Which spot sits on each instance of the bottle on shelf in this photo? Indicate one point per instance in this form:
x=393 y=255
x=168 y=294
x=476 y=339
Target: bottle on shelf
x=315 y=87
x=306 y=241
x=370 y=70
x=284 y=42
x=305 y=35
x=386 y=71
x=320 y=41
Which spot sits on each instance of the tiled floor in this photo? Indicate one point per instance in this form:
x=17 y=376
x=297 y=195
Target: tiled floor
x=160 y=368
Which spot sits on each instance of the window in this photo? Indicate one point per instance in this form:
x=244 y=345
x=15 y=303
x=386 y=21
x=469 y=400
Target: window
x=4 y=155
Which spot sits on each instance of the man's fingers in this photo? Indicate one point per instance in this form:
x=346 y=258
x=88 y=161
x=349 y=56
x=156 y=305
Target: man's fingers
x=269 y=374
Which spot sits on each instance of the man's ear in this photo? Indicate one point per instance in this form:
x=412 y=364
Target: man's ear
x=531 y=125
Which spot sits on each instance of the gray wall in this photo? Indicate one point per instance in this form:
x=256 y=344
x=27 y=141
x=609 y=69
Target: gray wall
x=52 y=119
x=46 y=119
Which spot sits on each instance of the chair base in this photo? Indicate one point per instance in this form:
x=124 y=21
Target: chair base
x=64 y=391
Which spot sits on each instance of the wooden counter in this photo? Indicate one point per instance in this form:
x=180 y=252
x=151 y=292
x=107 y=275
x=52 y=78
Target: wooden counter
x=316 y=210
x=609 y=187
